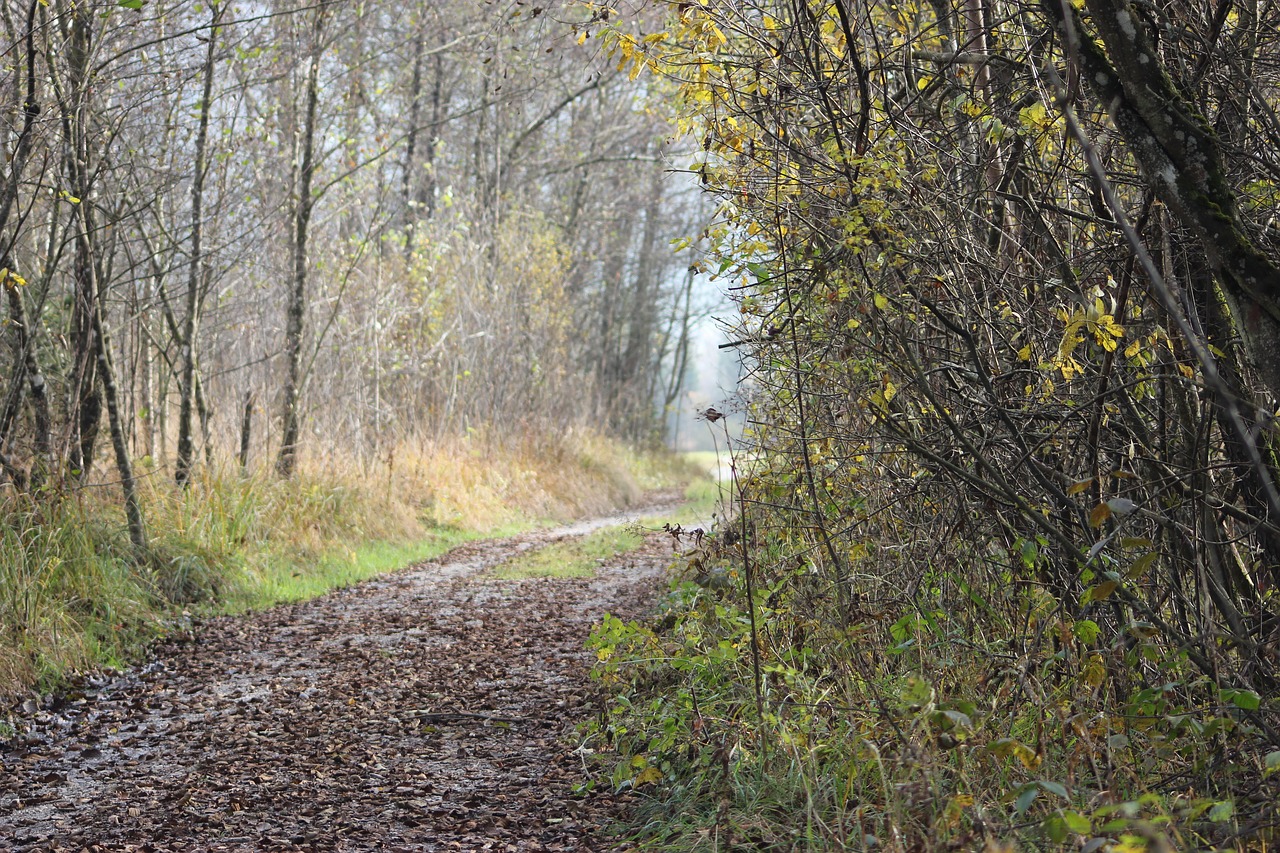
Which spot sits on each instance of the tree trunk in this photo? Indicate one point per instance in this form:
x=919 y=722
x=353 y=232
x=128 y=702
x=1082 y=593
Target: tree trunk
x=187 y=384
x=411 y=143
x=26 y=368
x=286 y=462
x=25 y=365
x=132 y=507
x=246 y=425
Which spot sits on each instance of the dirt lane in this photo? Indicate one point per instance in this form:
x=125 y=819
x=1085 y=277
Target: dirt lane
x=426 y=710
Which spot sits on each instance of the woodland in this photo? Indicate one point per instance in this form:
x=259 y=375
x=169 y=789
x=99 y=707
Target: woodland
x=996 y=566
x=213 y=211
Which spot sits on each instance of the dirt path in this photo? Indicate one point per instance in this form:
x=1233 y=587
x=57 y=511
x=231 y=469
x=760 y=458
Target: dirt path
x=425 y=710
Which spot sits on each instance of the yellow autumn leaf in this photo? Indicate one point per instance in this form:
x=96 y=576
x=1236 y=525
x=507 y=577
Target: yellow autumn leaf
x=11 y=279
x=1106 y=331
x=1095 y=671
x=1006 y=746
x=1078 y=487
x=1101 y=592
x=1033 y=116
x=647 y=776
x=1141 y=565
x=880 y=399
x=1069 y=367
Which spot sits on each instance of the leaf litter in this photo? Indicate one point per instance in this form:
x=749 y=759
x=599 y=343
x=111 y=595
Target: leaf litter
x=429 y=709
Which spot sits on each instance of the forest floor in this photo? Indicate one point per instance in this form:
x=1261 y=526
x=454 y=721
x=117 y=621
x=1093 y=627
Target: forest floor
x=429 y=709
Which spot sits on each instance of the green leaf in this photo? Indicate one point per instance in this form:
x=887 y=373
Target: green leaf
x=1055 y=827
x=1248 y=700
x=1222 y=811
x=648 y=776
x=947 y=720
x=1054 y=788
x=1026 y=798
x=1245 y=700
x=1140 y=565
x=1272 y=763
x=917 y=691
x=130 y=4
x=1100 y=592
x=1086 y=631
x=1077 y=823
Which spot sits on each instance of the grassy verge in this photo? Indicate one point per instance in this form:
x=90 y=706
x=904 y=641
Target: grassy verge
x=72 y=595
x=577 y=558
x=284 y=578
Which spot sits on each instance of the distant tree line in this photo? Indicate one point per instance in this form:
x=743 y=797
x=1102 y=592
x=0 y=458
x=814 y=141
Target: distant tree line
x=239 y=225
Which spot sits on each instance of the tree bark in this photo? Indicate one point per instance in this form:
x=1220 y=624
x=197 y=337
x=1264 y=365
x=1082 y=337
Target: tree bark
x=91 y=354
x=246 y=425
x=26 y=366
x=132 y=507
x=286 y=462
x=1181 y=157
x=187 y=384
x=84 y=403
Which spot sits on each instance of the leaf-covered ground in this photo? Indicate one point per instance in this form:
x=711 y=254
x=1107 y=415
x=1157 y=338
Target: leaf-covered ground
x=431 y=709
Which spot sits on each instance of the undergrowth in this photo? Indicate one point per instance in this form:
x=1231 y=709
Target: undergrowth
x=945 y=716
x=73 y=594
